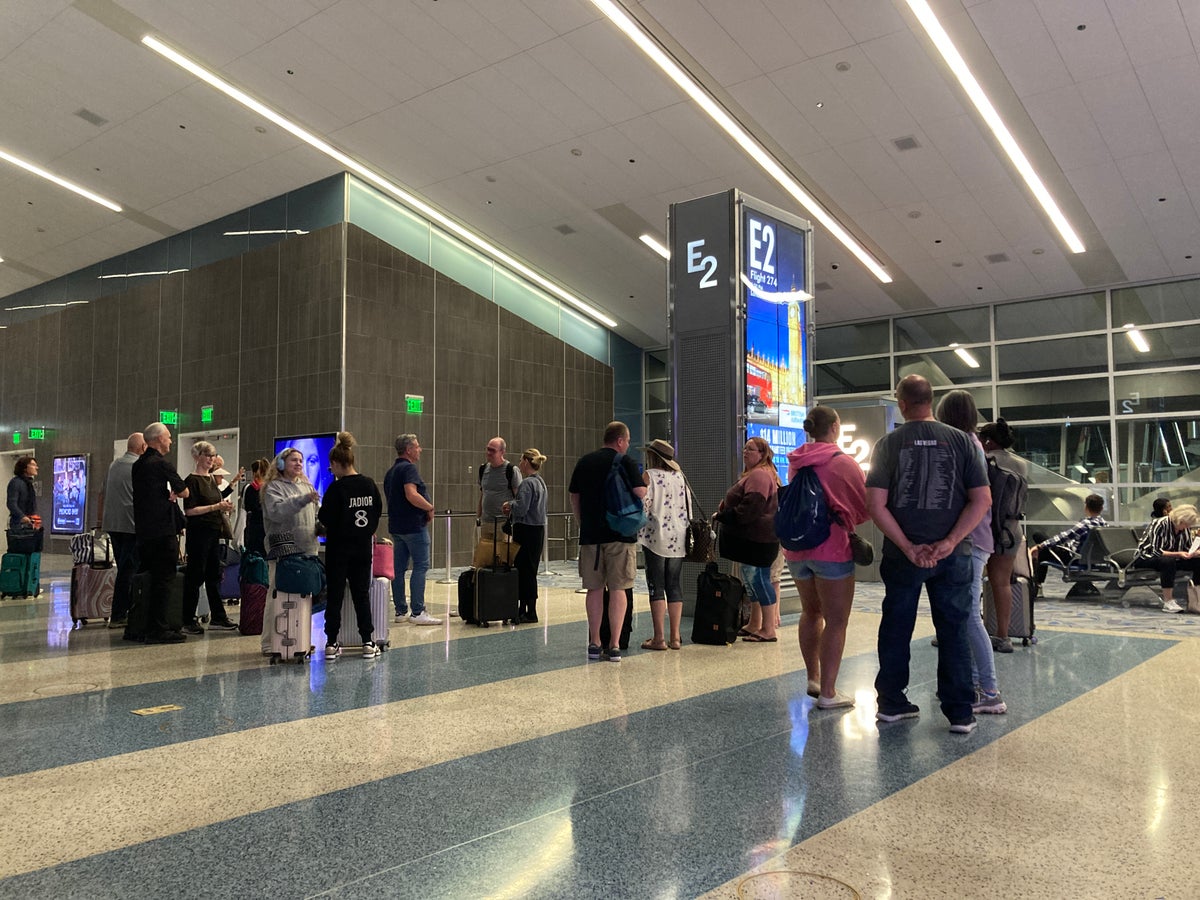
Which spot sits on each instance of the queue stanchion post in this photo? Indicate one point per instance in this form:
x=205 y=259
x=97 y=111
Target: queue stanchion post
x=447 y=579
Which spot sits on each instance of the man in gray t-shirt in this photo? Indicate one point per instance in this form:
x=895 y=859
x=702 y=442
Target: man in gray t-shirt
x=926 y=491
x=498 y=483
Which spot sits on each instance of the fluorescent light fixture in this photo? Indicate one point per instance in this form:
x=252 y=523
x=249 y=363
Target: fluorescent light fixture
x=1136 y=338
x=756 y=151
x=779 y=297
x=651 y=242
x=965 y=355
x=48 y=305
x=1016 y=155
x=368 y=174
x=140 y=274
x=61 y=182
x=265 y=231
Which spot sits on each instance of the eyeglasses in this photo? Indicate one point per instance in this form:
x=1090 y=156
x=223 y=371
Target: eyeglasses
x=492 y=449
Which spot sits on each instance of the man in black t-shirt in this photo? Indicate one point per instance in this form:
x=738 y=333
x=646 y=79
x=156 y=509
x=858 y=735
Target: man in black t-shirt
x=156 y=487
x=927 y=490
x=607 y=559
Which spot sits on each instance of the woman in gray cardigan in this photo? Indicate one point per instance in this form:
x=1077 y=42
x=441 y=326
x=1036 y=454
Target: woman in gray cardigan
x=290 y=518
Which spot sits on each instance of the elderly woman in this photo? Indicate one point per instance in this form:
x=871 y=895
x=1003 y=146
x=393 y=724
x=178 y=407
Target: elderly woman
x=1166 y=547
x=205 y=511
x=747 y=516
x=289 y=518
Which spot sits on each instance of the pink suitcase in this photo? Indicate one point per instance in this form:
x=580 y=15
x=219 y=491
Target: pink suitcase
x=92 y=593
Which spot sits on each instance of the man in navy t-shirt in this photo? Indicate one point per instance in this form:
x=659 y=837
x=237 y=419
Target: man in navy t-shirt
x=409 y=513
x=926 y=490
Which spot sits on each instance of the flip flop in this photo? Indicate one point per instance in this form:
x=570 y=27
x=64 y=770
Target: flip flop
x=742 y=632
x=674 y=645
x=759 y=639
x=650 y=645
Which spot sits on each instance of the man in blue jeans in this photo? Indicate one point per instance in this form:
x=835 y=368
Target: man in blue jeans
x=409 y=514
x=926 y=490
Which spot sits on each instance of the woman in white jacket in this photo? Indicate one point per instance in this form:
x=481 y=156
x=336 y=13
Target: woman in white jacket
x=290 y=519
x=664 y=541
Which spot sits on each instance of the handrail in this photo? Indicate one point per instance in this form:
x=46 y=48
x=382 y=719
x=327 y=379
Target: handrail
x=449 y=515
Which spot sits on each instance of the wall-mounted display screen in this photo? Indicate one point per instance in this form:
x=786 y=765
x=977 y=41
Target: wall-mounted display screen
x=69 y=513
x=774 y=263
x=315 y=449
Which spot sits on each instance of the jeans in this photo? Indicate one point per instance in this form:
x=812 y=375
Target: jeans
x=949 y=587
x=758 y=584
x=662 y=576
x=983 y=660
x=414 y=547
x=124 y=546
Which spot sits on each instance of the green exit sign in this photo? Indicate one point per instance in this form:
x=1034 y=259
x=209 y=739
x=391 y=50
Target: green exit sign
x=168 y=416
x=37 y=434
x=414 y=404
x=206 y=414
x=16 y=437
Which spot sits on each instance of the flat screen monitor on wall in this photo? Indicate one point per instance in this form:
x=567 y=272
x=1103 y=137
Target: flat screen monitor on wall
x=315 y=450
x=69 y=513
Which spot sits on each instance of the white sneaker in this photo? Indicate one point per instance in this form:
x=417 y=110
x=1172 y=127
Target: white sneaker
x=402 y=619
x=837 y=701
x=370 y=650
x=1172 y=606
x=424 y=619
x=333 y=651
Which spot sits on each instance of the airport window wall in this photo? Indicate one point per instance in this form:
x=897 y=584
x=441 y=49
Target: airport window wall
x=1103 y=387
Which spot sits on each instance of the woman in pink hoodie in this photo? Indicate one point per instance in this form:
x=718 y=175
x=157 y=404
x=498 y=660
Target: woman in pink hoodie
x=824 y=575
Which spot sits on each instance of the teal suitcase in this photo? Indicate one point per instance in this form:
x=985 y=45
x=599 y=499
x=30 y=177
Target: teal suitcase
x=19 y=575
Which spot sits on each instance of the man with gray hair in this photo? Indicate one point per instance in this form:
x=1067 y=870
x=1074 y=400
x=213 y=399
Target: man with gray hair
x=156 y=487
x=116 y=518
x=409 y=513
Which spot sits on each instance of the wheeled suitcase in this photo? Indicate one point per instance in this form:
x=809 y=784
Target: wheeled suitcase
x=466 y=595
x=19 y=575
x=1020 y=624
x=383 y=559
x=290 y=630
x=497 y=596
x=381 y=614
x=231 y=588
x=137 y=623
x=626 y=625
x=718 y=607
x=254 y=602
x=92 y=593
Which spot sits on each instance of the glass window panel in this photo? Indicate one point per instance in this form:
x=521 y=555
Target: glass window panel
x=390 y=222
x=215 y=241
x=658 y=395
x=584 y=334
x=1160 y=450
x=1160 y=392
x=1138 y=502
x=525 y=301
x=1053 y=399
x=1049 y=510
x=1158 y=304
x=1045 y=359
x=947 y=366
x=856 y=376
x=656 y=364
x=1060 y=315
x=1178 y=346
x=963 y=326
x=981 y=395
x=459 y=262
x=859 y=339
x=1065 y=451
x=317 y=205
x=268 y=223
x=658 y=425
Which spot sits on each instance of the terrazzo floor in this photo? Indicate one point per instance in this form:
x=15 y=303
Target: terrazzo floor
x=497 y=762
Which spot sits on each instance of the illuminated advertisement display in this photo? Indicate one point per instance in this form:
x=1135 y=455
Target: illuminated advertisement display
x=70 y=494
x=774 y=256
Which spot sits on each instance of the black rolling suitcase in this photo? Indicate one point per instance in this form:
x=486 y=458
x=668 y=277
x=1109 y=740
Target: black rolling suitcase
x=718 y=607
x=497 y=593
x=466 y=596
x=137 y=623
x=626 y=626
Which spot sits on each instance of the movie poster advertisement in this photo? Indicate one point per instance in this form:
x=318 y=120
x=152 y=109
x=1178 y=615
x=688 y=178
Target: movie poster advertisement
x=773 y=281
x=70 y=494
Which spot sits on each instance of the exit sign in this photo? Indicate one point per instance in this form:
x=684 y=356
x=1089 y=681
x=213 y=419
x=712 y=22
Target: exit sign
x=414 y=404
x=168 y=416
x=16 y=437
x=206 y=414
x=37 y=434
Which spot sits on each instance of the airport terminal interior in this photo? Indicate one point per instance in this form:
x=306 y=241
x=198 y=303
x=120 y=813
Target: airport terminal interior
x=264 y=223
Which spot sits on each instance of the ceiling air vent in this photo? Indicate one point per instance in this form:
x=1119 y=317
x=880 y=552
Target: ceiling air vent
x=997 y=257
x=905 y=143
x=564 y=229
x=90 y=117
x=822 y=286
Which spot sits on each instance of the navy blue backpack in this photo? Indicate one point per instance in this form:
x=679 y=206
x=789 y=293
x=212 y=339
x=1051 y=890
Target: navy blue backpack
x=803 y=519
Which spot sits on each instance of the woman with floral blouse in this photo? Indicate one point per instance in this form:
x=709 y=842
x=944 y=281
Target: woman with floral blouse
x=663 y=540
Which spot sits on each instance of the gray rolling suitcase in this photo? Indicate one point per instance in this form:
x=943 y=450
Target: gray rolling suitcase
x=290 y=629
x=1024 y=591
x=381 y=615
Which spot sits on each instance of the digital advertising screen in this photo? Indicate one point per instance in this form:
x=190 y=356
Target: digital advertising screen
x=774 y=262
x=315 y=449
x=69 y=512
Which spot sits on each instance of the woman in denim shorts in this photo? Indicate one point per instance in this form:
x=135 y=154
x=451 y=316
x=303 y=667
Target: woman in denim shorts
x=824 y=575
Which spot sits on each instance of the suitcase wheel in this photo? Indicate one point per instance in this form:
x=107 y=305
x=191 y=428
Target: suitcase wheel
x=484 y=624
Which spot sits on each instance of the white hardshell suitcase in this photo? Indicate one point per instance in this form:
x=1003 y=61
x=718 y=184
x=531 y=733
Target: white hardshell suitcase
x=381 y=615
x=290 y=627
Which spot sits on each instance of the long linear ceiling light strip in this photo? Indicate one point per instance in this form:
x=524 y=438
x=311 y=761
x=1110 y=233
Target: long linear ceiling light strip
x=367 y=174
x=1016 y=155
x=61 y=182
x=648 y=45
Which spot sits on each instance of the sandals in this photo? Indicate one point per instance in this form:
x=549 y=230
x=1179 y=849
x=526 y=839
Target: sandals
x=650 y=645
x=742 y=632
x=674 y=645
x=759 y=639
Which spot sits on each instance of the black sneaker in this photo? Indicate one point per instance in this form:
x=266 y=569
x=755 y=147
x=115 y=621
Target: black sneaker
x=225 y=625
x=529 y=618
x=964 y=726
x=907 y=711
x=593 y=651
x=193 y=628
x=165 y=637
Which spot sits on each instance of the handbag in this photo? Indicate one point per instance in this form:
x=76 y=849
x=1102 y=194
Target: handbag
x=1193 y=598
x=733 y=546
x=383 y=559
x=700 y=541
x=861 y=550
x=299 y=574
x=491 y=553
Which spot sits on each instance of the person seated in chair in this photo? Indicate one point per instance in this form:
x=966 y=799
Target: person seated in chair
x=1061 y=548
x=1167 y=548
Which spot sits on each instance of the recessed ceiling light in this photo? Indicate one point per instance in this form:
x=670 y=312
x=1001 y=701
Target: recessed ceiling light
x=61 y=182
x=914 y=214
x=945 y=46
x=370 y=175
x=1038 y=251
x=842 y=66
x=755 y=150
x=1080 y=27
x=820 y=104
x=575 y=151
x=957 y=265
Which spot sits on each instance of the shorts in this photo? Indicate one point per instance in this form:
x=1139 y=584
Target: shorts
x=804 y=569
x=617 y=566
x=1012 y=532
